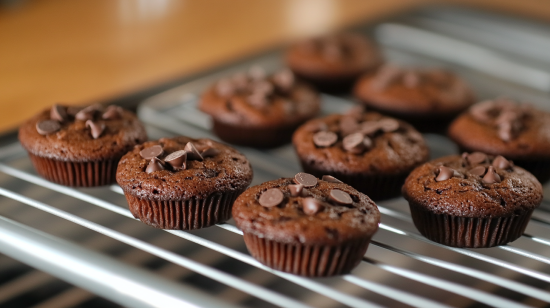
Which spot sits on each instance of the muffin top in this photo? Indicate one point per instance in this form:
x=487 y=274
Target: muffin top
x=473 y=185
x=182 y=168
x=412 y=91
x=360 y=143
x=82 y=134
x=504 y=127
x=305 y=210
x=257 y=100
x=335 y=55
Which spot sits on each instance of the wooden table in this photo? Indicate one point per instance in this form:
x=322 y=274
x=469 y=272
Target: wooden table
x=87 y=51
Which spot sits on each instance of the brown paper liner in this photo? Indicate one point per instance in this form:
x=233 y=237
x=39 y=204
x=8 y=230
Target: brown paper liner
x=258 y=137
x=312 y=261
x=81 y=174
x=469 y=232
x=183 y=214
x=376 y=187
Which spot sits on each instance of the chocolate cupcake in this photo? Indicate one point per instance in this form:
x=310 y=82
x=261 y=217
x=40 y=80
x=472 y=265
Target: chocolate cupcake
x=428 y=99
x=306 y=226
x=257 y=110
x=76 y=146
x=183 y=183
x=502 y=127
x=472 y=201
x=333 y=62
x=369 y=151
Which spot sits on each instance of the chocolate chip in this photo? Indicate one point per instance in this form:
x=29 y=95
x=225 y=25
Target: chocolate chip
x=112 y=113
x=296 y=189
x=501 y=163
x=505 y=131
x=271 y=197
x=96 y=128
x=479 y=170
x=388 y=125
x=262 y=87
x=177 y=159
x=59 y=113
x=324 y=139
x=348 y=125
x=476 y=158
x=356 y=112
x=367 y=142
x=209 y=152
x=480 y=111
x=340 y=197
x=491 y=177
x=47 y=127
x=385 y=76
x=370 y=127
x=73 y=110
x=258 y=100
x=192 y=152
x=445 y=173
x=284 y=79
x=240 y=80
x=225 y=88
x=305 y=179
x=311 y=206
x=87 y=113
x=331 y=179
x=154 y=165
x=354 y=143
x=256 y=72
x=151 y=152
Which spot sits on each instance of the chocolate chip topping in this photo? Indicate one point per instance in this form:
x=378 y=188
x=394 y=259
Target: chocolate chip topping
x=311 y=206
x=225 y=87
x=305 y=179
x=271 y=197
x=370 y=127
x=340 y=197
x=151 y=152
x=331 y=179
x=256 y=72
x=47 y=127
x=506 y=116
x=96 y=128
x=154 y=165
x=284 y=79
x=479 y=170
x=354 y=143
x=192 y=152
x=87 y=113
x=491 y=177
x=445 y=173
x=112 y=113
x=388 y=125
x=296 y=190
x=209 y=152
x=59 y=113
x=501 y=163
x=348 y=125
x=324 y=139
x=177 y=159
x=476 y=158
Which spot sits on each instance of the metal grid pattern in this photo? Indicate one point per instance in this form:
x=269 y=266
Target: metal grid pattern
x=401 y=268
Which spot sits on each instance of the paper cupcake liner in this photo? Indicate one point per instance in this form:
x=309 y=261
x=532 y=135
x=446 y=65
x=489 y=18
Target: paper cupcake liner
x=183 y=214
x=377 y=187
x=259 y=137
x=469 y=232
x=312 y=261
x=80 y=174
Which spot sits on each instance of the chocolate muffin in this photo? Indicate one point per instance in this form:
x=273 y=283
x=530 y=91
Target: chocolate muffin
x=474 y=200
x=306 y=226
x=333 y=62
x=183 y=183
x=256 y=110
x=77 y=146
x=502 y=127
x=369 y=151
x=428 y=99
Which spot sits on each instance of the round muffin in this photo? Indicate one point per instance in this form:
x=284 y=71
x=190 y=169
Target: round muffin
x=474 y=200
x=183 y=183
x=306 y=226
x=428 y=99
x=502 y=127
x=369 y=151
x=78 y=146
x=333 y=62
x=256 y=110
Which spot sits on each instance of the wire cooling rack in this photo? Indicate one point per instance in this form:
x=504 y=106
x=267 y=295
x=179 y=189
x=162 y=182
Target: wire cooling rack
x=88 y=238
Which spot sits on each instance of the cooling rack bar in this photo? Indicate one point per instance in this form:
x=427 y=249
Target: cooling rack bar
x=405 y=297
x=197 y=267
x=128 y=286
